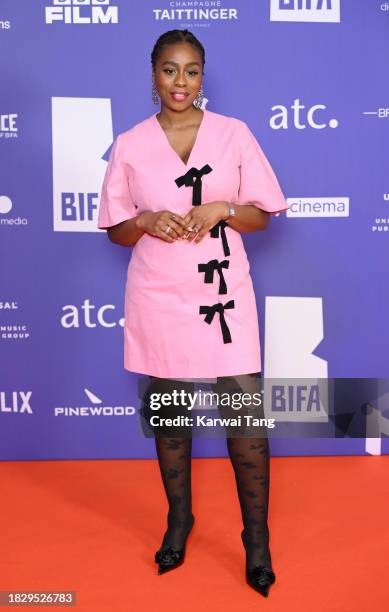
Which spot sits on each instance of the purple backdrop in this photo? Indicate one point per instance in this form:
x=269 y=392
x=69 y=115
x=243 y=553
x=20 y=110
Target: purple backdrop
x=309 y=78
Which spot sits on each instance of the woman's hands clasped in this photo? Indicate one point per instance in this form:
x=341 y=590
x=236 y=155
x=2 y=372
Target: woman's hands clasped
x=163 y=224
x=201 y=219
x=194 y=226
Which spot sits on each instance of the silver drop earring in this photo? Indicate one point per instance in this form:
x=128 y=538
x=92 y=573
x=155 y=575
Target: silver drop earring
x=154 y=93
x=198 y=101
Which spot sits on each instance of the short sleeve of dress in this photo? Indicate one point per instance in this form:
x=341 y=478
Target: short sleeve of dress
x=116 y=203
x=258 y=182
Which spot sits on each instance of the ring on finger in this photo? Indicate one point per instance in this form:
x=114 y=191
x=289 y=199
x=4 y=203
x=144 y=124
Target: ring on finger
x=168 y=229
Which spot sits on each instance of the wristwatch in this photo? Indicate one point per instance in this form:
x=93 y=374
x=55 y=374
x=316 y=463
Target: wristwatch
x=231 y=212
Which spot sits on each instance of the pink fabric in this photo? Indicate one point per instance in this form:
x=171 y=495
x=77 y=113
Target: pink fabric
x=164 y=333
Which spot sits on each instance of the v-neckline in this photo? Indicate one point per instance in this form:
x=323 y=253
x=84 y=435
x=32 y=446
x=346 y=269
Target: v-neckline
x=163 y=133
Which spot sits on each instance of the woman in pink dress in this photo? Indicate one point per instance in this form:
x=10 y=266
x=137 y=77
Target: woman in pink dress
x=180 y=187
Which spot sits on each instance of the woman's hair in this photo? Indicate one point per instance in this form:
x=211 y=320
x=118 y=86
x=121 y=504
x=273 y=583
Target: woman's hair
x=176 y=36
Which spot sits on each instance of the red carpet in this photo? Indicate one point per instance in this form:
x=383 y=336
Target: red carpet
x=93 y=527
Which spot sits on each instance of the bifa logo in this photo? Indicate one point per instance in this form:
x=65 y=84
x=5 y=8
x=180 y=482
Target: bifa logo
x=81 y=12
x=296 y=358
x=82 y=132
x=305 y=10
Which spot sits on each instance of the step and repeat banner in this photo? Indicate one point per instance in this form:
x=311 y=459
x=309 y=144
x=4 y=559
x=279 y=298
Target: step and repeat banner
x=309 y=77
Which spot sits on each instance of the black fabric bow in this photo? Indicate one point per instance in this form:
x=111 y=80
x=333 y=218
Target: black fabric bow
x=218 y=230
x=209 y=269
x=210 y=312
x=167 y=555
x=193 y=179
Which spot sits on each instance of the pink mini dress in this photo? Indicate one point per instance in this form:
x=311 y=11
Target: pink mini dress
x=190 y=309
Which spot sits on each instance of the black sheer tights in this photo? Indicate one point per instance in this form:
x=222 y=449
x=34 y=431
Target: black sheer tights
x=250 y=460
x=174 y=457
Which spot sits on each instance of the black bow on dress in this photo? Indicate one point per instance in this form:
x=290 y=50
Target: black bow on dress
x=209 y=269
x=193 y=179
x=218 y=230
x=210 y=312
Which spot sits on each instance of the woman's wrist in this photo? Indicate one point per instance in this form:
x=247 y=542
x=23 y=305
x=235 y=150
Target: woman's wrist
x=229 y=210
x=224 y=210
x=140 y=219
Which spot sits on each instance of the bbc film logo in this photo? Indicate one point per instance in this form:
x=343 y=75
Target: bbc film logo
x=82 y=12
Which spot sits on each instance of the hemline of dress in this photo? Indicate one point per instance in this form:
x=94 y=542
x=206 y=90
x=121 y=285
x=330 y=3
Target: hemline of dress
x=190 y=375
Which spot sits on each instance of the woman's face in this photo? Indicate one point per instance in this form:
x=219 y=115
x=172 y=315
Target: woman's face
x=178 y=75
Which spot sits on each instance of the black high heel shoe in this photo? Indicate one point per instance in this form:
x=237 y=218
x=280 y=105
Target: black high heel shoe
x=259 y=577
x=169 y=558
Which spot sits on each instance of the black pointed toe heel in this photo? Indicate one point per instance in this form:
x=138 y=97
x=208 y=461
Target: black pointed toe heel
x=169 y=558
x=259 y=577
